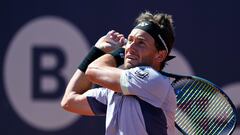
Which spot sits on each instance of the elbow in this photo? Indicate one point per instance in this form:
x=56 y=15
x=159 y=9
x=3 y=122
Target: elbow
x=65 y=103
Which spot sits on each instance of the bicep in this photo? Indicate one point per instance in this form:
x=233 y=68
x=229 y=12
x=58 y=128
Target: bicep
x=79 y=104
x=92 y=102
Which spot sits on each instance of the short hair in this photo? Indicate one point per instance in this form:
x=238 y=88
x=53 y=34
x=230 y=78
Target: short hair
x=165 y=22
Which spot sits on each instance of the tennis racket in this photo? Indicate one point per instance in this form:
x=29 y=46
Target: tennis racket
x=202 y=107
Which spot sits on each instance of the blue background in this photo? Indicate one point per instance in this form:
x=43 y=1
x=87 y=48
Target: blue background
x=207 y=33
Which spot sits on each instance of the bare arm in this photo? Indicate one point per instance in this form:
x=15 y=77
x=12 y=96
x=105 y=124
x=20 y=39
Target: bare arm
x=74 y=100
x=103 y=72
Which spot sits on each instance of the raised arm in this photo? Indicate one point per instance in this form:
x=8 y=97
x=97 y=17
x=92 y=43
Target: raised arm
x=74 y=99
x=103 y=71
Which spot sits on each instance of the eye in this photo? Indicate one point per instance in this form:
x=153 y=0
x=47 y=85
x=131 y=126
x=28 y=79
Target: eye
x=130 y=40
x=142 y=43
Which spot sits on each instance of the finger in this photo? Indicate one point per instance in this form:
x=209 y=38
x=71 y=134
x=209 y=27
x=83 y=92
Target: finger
x=119 y=36
x=123 y=40
x=114 y=35
x=110 y=32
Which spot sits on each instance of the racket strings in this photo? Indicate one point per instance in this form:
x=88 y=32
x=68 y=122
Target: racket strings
x=224 y=119
x=201 y=110
x=198 y=111
x=207 y=116
x=197 y=102
x=211 y=121
x=186 y=105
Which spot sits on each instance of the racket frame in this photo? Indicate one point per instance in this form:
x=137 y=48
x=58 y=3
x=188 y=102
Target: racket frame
x=177 y=77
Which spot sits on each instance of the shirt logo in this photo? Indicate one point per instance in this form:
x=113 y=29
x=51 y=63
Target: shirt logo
x=141 y=74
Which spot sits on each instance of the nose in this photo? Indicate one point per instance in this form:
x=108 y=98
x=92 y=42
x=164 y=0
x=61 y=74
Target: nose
x=131 y=45
x=131 y=48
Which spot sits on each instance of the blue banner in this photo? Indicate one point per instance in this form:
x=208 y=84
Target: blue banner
x=42 y=43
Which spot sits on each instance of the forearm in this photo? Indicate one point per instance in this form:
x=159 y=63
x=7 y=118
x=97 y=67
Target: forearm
x=73 y=99
x=74 y=90
x=78 y=83
x=103 y=71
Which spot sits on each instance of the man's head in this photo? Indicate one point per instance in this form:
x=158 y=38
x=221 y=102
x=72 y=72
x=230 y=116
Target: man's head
x=150 y=42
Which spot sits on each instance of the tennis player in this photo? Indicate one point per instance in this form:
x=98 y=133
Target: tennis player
x=136 y=99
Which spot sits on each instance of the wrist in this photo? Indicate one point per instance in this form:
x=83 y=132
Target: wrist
x=94 y=53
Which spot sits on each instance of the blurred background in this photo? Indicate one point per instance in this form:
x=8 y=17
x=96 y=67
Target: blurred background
x=42 y=43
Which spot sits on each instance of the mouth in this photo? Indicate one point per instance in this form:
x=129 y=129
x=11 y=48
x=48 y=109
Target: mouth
x=131 y=60
x=131 y=57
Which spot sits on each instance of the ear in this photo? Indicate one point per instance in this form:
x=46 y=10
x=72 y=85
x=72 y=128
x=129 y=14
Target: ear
x=161 y=56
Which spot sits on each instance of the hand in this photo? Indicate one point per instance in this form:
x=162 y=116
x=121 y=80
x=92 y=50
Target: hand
x=111 y=41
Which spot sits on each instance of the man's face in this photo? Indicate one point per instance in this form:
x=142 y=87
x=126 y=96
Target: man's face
x=140 y=49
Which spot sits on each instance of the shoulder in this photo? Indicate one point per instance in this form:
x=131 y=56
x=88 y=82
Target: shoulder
x=144 y=76
x=145 y=73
